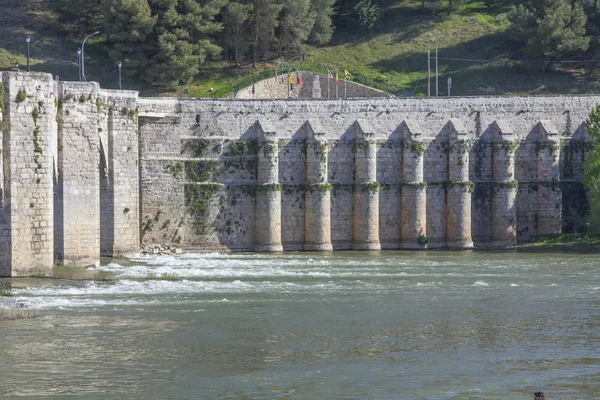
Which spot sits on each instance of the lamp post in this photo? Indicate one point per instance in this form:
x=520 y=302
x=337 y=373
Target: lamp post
x=28 y=40
x=120 y=65
x=436 y=66
x=82 y=54
x=79 y=64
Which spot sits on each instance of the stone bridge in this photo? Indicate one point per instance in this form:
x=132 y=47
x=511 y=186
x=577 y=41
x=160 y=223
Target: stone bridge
x=89 y=172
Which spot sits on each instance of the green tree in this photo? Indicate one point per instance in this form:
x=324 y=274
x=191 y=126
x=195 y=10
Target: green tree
x=79 y=17
x=234 y=20
x=592 y=27
x=129 y=24
x=591 y=169
x=182 y=39
x=323 y=27
x=297 y=21
x=549 y=28
x=368 y=13
x=265 y=19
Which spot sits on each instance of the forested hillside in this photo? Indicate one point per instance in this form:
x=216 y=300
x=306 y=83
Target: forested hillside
x=486 y=46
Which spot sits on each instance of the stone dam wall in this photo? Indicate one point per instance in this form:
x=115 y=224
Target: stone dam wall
x=87 y=171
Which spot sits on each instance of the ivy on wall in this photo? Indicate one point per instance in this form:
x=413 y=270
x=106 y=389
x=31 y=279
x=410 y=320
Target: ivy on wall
x=235 y=148
x=198 y=199
x=202 y=170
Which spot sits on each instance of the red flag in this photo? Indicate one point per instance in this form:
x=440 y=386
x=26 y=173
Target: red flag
x=298 y=81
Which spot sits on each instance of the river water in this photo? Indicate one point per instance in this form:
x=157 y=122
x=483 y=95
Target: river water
x=349 y=325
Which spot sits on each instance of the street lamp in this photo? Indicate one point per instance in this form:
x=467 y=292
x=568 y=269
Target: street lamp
x=79 y=64
x=82 y=54
x=120 y=65
x=28 y=40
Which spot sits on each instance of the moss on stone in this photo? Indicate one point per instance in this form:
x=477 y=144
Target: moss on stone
x=21 y=96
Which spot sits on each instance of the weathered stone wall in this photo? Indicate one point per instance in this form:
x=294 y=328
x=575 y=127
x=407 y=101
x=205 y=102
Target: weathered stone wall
x=69 y=174
x=28 y=146
x=77 y=215
x=87 y=171
x=446 y=172
x=273 y=88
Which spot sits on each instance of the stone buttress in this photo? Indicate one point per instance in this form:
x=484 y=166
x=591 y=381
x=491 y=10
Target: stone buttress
x=366 y=189
x=413 y=217
x=549 y=192
x=119 y=174
x=504 y=186
x=268 y=191
x=77 y=216
x=317 y=217
x=28 y=160
x=458 y=211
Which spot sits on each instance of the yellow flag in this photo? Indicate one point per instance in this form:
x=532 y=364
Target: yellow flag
x=291 y=78
x=347 y=73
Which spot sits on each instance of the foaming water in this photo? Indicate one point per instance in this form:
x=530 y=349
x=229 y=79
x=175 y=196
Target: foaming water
x=352 y=325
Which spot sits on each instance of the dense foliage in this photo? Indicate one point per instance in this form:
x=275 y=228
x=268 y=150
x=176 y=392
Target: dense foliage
x=591 y=172
x=169 y=41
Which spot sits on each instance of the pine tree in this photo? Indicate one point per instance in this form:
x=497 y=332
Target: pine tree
x=550 y=28
x=323 y=28
x=297 y=21
x=129 y=23
x=234 y=20
x=368 y=13
x=182 y=35
x=79 y=17
x=264 y=21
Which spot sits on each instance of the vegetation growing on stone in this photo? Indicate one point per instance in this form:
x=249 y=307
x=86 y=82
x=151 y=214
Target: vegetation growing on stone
x=198 y=198
x=370 y=187
x=418 y=147
x=241 y=148
x=21 y=96
x=35 y=114
x=467 y=186
x=197 y=148
x=2 y=106
x=174 y=169
x=416 y=185
x=202 y=170
x=269 y=188
x=320 y=187
x=512 y=184
x=553 y=147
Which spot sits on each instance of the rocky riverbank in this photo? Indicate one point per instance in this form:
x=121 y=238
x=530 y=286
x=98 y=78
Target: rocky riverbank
x=161 y=249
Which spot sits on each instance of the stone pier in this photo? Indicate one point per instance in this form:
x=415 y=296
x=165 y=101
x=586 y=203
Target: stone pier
x=458 y=218
x=413 y=232
x=268 y=204
x=317 y=228
x=366 y=189
x=86 y=171
x=504 y=190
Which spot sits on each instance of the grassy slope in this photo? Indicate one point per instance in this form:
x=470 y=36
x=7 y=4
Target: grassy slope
x=394 y=58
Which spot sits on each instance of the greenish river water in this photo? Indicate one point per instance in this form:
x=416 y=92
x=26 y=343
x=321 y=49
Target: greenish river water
x=349 y=325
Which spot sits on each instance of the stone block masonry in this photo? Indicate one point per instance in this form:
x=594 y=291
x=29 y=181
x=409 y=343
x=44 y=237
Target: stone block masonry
x=68 y=161
x=87 y=171
x=361 y=174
